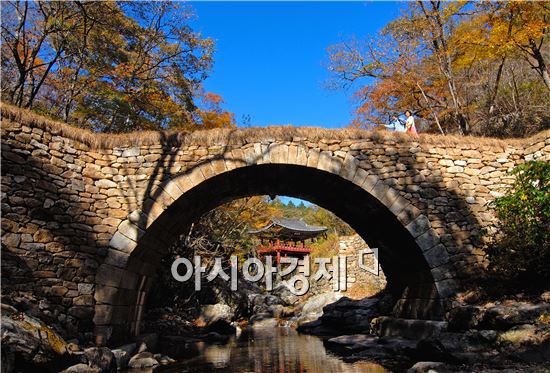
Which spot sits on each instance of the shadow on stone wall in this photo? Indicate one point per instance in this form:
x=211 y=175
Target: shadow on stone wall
x=49 y=254
x=48 y=217
x=409 y=275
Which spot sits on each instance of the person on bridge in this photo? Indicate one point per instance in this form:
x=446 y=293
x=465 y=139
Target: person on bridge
x=409 y=123
x=397 y=124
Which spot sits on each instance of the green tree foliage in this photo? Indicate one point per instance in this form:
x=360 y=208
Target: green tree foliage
x=522 y=254
x=222 y=232
x=461 y=67
x=108 y=66
x=324 y=246
x=313 y=215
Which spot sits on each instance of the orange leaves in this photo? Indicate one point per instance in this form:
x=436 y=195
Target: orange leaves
x=111 y=66
x=447 y=62
x=500 y=29
x=212 y=115
x=213 y=99
x=209 y=119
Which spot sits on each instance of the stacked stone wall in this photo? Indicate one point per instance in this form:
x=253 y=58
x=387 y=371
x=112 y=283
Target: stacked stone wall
x=360 y=283
x=67 y=209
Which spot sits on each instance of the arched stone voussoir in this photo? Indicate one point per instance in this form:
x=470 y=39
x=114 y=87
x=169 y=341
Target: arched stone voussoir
x=105 y=294
x=349 y=167
x=138 y=218
x=193 y=177
x=172 y=188
x=328 y=162
x=122 y=243
x=313 y=158
x=384 y=193
x=234 y=159
x=365 y=180
x=203 y=171
x=301 y=155
x=249 y=156
x=445 y=271
x=399 y=205
x=117 y=258
x=418 y=226
x=206 y=169
x=360 y=177
x=292 y=154
x=408 y=214
x=218 y=165
x=109 y=275
x=183 y=182
x=437 y=256
x=427 y=240
x=275 y=153
x=152 y=209
x=103 y=314
x=131 y=230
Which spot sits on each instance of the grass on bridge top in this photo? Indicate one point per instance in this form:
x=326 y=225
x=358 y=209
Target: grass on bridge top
x=236 y=136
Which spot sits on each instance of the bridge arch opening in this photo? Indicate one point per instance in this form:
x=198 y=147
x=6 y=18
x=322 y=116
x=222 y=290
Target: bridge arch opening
x=388 y=224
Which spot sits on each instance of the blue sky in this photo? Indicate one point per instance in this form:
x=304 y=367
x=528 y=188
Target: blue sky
x=269 y=56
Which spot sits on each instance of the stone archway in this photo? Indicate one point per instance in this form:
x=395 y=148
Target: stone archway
x=416 y=264
x=82 y=209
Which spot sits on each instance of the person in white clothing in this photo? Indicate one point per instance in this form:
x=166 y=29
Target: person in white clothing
x=409 y=123
x=397 y=124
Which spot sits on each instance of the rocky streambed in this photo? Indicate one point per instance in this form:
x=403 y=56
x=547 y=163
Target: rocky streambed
x=508 y=335
x=495 y=336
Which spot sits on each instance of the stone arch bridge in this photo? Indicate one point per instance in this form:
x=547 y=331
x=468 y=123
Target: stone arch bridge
x=87 y=217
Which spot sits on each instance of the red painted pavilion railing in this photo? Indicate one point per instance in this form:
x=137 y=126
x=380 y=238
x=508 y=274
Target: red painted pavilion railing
x=284 y=248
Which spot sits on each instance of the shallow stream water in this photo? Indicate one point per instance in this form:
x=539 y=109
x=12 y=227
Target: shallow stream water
x=277 y=349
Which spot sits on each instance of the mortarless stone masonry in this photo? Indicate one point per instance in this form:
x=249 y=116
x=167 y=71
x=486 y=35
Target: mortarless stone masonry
x=84 y=229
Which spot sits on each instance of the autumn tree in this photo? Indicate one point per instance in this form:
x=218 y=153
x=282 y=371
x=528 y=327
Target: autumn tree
x=518 y=28
x=408 y=65
x=502 y=53
x=108 y=66
x=157 y=71
x=460 y=67
x=34 y=39
x=211 y=113
x=223 y=231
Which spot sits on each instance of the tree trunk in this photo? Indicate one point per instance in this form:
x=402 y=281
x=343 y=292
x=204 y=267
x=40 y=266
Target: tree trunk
x=494 y=93
x=546 y=78
x=541 y=68
x=443 y=56
x=431 y=110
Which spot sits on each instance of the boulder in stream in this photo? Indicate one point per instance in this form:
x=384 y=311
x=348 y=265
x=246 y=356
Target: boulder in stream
x=123 y=354
x=211 y=313
x=29 y=344
x=101 y=358
x=143 y=359
x=81 y=368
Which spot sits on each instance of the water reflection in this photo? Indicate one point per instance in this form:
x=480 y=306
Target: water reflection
x=269 y=350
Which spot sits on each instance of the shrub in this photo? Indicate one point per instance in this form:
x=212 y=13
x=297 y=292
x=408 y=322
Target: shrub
x=521 y=255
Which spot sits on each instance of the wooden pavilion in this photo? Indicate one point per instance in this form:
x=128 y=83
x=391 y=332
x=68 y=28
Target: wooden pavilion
x=286 y=237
